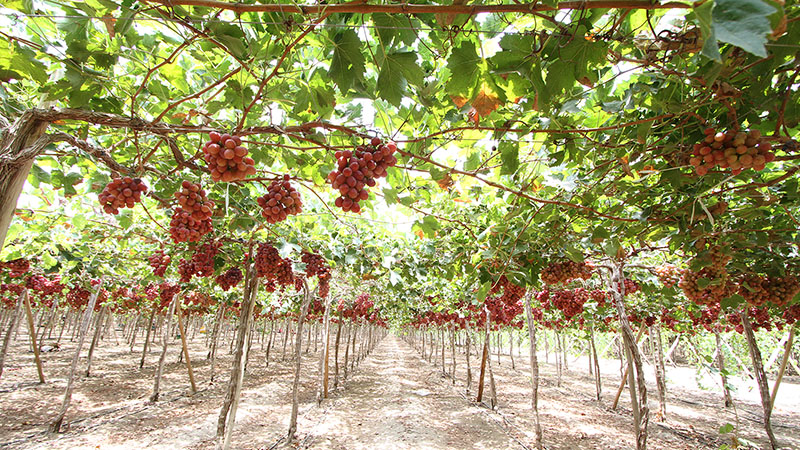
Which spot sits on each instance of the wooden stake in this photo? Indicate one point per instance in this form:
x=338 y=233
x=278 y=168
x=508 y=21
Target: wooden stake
x=227 y=415
x=625 y=375
x=183 y=343
x=761 y=377
x=55 y=427
x=483 y=359
x=165 y=337
x=297 y=351
x=534 y=369
x=98 y=327
x=12 y=325
x=786 y=353
x=721 y=365
x=32 y=332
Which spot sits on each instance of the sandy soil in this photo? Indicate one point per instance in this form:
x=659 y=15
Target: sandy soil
x=110 y=409
x=394 y=400
x=398 y=401
x=573 y=419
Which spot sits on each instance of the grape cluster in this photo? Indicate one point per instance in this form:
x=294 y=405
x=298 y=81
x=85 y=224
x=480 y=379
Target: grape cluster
x=271 y=266
x=229 y=278
x=192 y=219
x=151 y=292
x=631 y=287
x=199 y=299
x=759 y=320
x=564 y=271
x=668 y=274
x=226 y=157
x=185 y=270
x=281 y=201
x=270 y=286
x=121 y=193
x=324 y=287
x=17 y=267
x=316 y=266
x=78 y=297
x=358 y=169
x=203 y=258
x=792 y=314
x=570 y=301
x=159 y=261
x=202 y=262
x=758 y=290
x=15 y=289
x=720 y=284
x=166 y=291
x=599 y=296
x=43 y=286
x=737 y=150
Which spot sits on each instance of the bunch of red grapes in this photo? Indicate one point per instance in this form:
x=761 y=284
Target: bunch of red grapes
x=316 y=266
x=166 y=292
x=737 y=150
x=229 y=278
x=758 y=290
x=17 y=267
x=203 y=258
x=599 y=296
x=151 y=292
x=159 y=261
x=270 y=285
x=78 y=297
x=185 y=270
x=358 y=169
x=668 y=274
x=121 y=193
x=569 y=301
x=192 y=219
x=720 y=287
x=15 y=289
x=271 y=266
x=202 y=262
x=43 y=286
x=631 y=287
x=564 y=271
x=226 y=157
x=324 y=287
x=792 y=314
x=281 y=201
x=199 y=299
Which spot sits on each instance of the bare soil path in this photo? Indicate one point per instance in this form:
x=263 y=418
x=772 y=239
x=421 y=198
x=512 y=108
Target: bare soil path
x=398 y=401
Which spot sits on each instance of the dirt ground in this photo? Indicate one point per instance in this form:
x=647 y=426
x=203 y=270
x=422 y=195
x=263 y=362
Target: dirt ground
x=394 y=400
x=572 y=418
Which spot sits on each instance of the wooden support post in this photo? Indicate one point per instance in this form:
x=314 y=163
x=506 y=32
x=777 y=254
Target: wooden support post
x=534 y=369
x=165 y=337
x=32 y=332
x=227 y=415
x=98 y=328
x=625 y=375
x=55 y=426
x=12 y=325
x=298 y=344
x=787 y=351
x=722 y=372
x=761 y=377
x=183 y=343
x=483 y=358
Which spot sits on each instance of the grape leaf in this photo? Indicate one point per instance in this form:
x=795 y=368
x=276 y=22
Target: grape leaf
x=347 y=64
x=464 y=68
